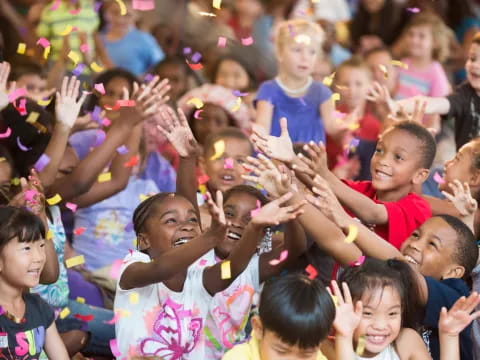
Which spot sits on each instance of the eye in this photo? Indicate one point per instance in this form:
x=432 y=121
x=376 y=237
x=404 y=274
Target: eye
x=393 y=313
x=367 y=313
x=193 y=220
x=240 y=161
x=26 y=248
x=398 y=157
x=170 y=221
x=229 y=214
x=432 y=243
x=379 y=150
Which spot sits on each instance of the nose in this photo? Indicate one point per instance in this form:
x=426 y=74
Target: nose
x=186 y=226
x=380 y=323
x=38 y=254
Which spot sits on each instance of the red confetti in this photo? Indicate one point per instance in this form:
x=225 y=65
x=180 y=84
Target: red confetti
x=202 y=179
x=195 y=67
x=84 y=318
x=312 y=272
x=79 y=231
x=132 y=162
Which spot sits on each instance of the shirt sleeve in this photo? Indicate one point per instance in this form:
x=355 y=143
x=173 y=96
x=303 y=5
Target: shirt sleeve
x=404 y=216
x=324 y=93
x=155 y=53
x=440 y=84
x=265 y=93
x=135 y=256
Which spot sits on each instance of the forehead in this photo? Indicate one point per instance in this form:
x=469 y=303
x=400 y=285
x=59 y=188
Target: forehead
x=475 y=49
x=399 y=137
x=439 y=228
x=349 y=72
x=117 y=83
x=241 y=198
x=378 y=297
x=233 y=146
x=173 y=202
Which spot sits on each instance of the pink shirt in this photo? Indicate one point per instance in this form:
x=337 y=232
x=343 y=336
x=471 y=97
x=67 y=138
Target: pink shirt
x=429 y=81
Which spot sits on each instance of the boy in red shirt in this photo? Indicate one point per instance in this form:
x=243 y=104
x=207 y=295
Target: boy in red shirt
x=388 y=204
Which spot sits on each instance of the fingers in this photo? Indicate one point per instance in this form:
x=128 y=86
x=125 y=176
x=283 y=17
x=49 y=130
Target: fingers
x=283 y=199
x=337 y=293
x=183 y=118
x=219 y=199
x=4 y=73
x=63 y=91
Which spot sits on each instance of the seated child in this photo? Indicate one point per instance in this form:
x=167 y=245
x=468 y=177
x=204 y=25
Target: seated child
x=294 y=316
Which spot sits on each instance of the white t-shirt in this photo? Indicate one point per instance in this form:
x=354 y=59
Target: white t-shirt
x=229 y=310
x=162 y=322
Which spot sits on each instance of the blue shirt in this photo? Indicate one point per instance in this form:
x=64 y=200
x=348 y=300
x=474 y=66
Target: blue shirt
x=136 y=52
x=444 y=293
x=303 y=114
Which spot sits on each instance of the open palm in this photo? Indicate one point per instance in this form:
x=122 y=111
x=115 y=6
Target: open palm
x=280 y=147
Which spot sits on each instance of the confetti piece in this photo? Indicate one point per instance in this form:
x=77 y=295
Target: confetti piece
x=29 y=194
x=197 y=113
x=133 y=298
x=128 y=227
x=217 y=4
x=84 y=318
x=283 y=257
x=195 y=67
x=123 y=8
x=360 y=346
x=228 y=164
x=71 y=206
x=105 y=177
x=46 y=52
x=43 y=42
x=239 y=93
x=384 y=70
x=126 y=103
x=352 y=234
x=196 y=102
x=187 y=51
x=72 y=55
x=247 y=41
x=55 y=5
x=237 y=104
x=78 y=69
x=6 y=134
x=75 y=11
x=359 y=262
x=204 y=13
x=49 y=235
x=80 y=300
x=196 y=57
x=32 y=117
x=219 y=147
x=84 y=48
x=255 y=211
x=115 y=318
x=353 y=126
x=339 y=114
x=438 y=178
x=15 y=181
x=115 y=269
x=312 y=272
x=122 y=150
x=64 y=313
x=22 y=108
x=54 y=200
x=414 y=10
x=143 y=5
x=79 y=230
x=21 y=146
x=2 y=159
x=143 y=197
x=114 y=346
x=222 y=41
x=399 y=64
x=203 y=179
x=100 y=138
x=42 y=161
x=202 y=262
x=335 y=97
x=75 y=261
x=100 y=88
x=95 y=67
x=44 y=102
x=225 y=270
x=21 y=48
x=67 y=30
x=334 y=299
x=303 y=39
x=106 y=122
x=14 y=95
x=132 y=162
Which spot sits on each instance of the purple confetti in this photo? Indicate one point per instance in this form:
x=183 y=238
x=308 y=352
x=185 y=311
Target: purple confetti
x=302 y=101
x=196 y=57
x=354 y=142
x=78 y=69
x=129 y=227
x=42 y=161
x=100 y=138
x=97 y=6
x=414 y=10
x=290 y=29
x=122 y=150
x=21 y=146
x=95 y=114
x=148 y=77
x=239 y=93
x=187 y=50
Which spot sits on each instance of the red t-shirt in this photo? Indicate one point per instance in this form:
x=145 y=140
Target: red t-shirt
x=404 y=215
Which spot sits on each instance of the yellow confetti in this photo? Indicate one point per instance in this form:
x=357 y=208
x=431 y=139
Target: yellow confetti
x=217 y=4
x=2 y=159
x=328 y=80
x=32 y=117
x=68 y=29
x=75 y=261
x=72 y=55
x=133 y=298
x=353 y=126
x=352 y=234
x=237 y=104
x=105 y=177
x=46 y=52
x=202 y=188
x=123 y=313
x=15 y=181
x=135 y=242
x=219 y=148
x=384 y=70
x=203 y=13
x=143 y=197
x=44 y=102
x=49 y=235
x=335 y=97
x=21 y=48
x=80 y=300
x=225 y=269
x=195 y=101
x=399 y=64
x=95 y=67
x=64 y=313
x=360 y=346
x=54 y=200
x=123 y=8
x=303 y=39
x=334 y=299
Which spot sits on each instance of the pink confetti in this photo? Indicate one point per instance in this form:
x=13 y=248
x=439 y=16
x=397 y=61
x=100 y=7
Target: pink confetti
x=115 y=318
x=359 y=262
x=84 y=48
x=106 y=121
x=21 y=146
x=143 y=5
x=438 y=178
x=414 y=10
x=43 y=42
x=202 y=262
x=75 y=12
x=196 y=115
x=203 y=179
x=100 y=88
x=55 y=5
x=222 y=41
x=339 y=115
x=115 y=269
x=14 y=95
x=247 y=41
x=255 y=212
x=6 y=134
x=283 y=257
x=30 y=194
x=42 y=161
x=114 y=348
x=228 y=164
x=71 y=206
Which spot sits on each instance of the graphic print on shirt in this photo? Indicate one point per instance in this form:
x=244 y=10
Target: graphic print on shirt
x=167 y=340
x=110 y=229
x=27 y=343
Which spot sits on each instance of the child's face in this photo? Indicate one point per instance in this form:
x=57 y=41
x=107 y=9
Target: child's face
x=298 y=56
x=373 y=6
x=460 y=167
x=226 y=171
x=237 y=211
x=173 y=223
x=473 y=67
x=322 y=69
x=21 y=263
x=177 y=79
x=5 y=172
x=381 y=319
x=232 y=75
x=395 y=163
x=113 y=92
x=251 y=8
x=420 y=41
x=376 y=61
x=33 y=83
x=114 y=17
x=353 y=85
x=430 y=248
x=212 y=120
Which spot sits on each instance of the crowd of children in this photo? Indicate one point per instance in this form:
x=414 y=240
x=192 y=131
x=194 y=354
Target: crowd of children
x=239 y=179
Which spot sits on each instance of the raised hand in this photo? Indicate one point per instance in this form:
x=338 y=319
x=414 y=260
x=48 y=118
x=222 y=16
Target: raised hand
x=31 y=196
x=176 y=129
x=317 y=163
x=4 y=91
x=453 y=321
x=274 y=213
x=267 y=175
x=462 y=198
x=347 y=316
x=279 y=148
x=380 y=95
x=67 y=107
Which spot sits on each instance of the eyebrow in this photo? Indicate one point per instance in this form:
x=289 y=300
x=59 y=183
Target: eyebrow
x=169 y=212
x=437 y=238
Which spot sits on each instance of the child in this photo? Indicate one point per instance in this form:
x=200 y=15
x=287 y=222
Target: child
x=293 y=94
x=463 y=105
x=380 y=59
x=386 y=316
x=232 y=72
x=129 y=48
x=245 y=14
x=295 y=316
x=389 y=203
x=32 y=78
x=176 y=71
x=27 y=322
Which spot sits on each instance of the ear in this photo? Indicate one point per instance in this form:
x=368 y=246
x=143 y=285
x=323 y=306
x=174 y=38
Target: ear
x=420 y=176
x=455 y=271
x=143 y=242
x=257 y=326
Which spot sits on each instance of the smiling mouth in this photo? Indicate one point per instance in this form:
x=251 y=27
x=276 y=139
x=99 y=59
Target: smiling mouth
x=228 y=178
x=34 y=272
x=181 y=241
x=376 y=339
x=233 y=235
x=411 y=260
x=382 y=175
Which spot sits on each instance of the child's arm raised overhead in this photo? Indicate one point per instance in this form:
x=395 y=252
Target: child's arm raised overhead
x=465 y=205
x=54 y=346
x=264 y=115
x=4 y=89
x=453 y=322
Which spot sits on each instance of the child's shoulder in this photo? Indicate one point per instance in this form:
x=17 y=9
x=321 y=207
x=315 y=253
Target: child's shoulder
x=408 y=342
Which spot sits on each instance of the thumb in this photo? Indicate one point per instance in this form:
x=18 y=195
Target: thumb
x=284 y=127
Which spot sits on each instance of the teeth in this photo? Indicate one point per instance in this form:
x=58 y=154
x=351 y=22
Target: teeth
x=180 y=241
x=410 y=259
x=227 y=177
x=377 y=338
x=233 y=235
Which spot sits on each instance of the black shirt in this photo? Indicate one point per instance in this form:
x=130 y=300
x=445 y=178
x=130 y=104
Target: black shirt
x=465 y=110
x=26 y=340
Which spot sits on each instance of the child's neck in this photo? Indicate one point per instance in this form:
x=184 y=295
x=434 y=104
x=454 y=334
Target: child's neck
x=114 y=33
x=11 y=299
x=420 y=62
x=395 y=194
x=293 y=83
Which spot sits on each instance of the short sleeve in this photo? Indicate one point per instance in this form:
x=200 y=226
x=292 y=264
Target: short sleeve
x=363 y=187
x=404 y=216
x=40 y=307
x=440 y=84
x=324 y=93
x=135 y=256
x=266 y=92
x=155 y=52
